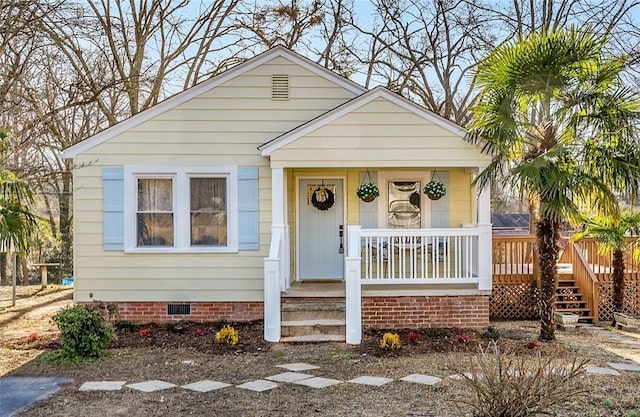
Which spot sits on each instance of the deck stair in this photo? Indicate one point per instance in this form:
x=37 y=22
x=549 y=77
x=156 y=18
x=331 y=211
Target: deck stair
x=569 y=299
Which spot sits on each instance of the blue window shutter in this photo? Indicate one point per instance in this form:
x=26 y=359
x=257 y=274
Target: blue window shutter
x=440 y=208
x=369 y=211
x=248 y=232
x=113 y=208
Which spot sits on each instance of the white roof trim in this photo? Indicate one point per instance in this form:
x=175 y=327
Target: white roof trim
x=371 y=95
x=195 y=91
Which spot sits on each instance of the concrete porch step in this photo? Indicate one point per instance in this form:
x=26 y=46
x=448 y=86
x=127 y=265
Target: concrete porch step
x=313 y=327
x=313 y=338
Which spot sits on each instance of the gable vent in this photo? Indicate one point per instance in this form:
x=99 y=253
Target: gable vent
x=178 y=309
x=280 y=87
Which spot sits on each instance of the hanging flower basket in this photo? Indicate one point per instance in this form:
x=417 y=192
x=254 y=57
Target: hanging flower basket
x=367 y=192
x=435 y=190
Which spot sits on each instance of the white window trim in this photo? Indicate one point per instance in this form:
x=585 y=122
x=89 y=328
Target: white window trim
x=383 y=202
x=181 y=208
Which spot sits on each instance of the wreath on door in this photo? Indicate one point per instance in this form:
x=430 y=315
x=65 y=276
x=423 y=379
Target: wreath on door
x=323 y=198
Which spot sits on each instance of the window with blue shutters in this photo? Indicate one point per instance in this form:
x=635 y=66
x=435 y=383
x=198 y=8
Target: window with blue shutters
x=180 y=209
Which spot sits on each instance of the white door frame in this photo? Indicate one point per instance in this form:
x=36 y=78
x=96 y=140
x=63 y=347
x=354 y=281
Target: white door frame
x=297 y=179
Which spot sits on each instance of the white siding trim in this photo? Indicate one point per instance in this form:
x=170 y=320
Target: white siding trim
x=199 y=89
x=342 y=110
x=181 y=176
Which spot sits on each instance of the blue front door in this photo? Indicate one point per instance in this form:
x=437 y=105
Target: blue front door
x=320 y=244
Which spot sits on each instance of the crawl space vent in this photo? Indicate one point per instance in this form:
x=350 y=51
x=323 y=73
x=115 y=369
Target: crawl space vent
x=280 y=87
x=178 y=309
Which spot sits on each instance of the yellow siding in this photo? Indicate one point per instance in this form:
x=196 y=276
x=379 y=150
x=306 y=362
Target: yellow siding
x=380 y=134
x=461 y=209
x=223 y=126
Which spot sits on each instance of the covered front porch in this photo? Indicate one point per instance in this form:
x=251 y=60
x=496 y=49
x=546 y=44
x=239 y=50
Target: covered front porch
x=403 y=259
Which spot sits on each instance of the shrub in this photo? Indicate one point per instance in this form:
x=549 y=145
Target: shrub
x=227 y=336
x=390 y=341
x=145 y=332
x=507 y=385
x=83 y=332
x=414 y=337
x=491 y=333
x=199 y=332
x=464 y=338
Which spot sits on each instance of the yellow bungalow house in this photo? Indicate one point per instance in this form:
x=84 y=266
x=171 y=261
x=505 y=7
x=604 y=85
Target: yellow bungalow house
x=237 y=199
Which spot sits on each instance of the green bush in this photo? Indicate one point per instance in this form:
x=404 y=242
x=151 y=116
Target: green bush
x=83 y=332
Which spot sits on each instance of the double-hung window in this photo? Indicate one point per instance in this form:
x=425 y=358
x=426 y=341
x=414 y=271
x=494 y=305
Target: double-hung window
x=181 y=209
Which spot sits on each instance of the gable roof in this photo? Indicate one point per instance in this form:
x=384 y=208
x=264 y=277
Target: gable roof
x=198 y=89
x=378 y=92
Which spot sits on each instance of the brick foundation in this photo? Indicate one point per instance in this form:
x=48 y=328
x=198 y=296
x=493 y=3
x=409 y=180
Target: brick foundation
x=156 y=312
x=470 y=311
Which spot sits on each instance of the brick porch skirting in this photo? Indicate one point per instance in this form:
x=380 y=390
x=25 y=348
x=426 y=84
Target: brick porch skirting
x=156 y=312
x=394 y=312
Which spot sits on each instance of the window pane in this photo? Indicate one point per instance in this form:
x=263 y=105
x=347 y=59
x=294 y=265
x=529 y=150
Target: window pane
x=404 y=205
x=208 y=211
x=209 y=229
x=155 y=194
x=155 y=229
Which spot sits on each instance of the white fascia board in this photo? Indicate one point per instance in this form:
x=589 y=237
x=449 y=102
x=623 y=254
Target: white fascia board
x=332 y=115
x=199 y=89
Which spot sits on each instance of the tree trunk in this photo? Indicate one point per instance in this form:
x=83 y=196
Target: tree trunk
x=4 y=278
x=618 y=281
x=547 y=233
x=25 y=270
x=65 y=222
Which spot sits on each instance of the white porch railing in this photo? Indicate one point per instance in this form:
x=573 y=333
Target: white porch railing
x=276 y=279
x=413 y=256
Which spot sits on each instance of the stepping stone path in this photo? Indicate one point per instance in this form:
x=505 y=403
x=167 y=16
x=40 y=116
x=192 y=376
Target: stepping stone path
x=295 y=375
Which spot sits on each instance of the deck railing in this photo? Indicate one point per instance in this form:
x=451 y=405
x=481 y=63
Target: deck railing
x=513 y=259
x=602 y=261
x=585 y=279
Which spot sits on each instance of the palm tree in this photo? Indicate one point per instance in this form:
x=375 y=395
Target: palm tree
x=612 y=235
x=561 y=127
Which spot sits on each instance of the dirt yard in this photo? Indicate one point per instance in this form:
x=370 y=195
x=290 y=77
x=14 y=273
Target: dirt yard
x=180 y=357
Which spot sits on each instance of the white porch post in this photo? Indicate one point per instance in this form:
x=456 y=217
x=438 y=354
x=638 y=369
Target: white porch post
x=274 y=270
x=353 y=289
x=484 y=239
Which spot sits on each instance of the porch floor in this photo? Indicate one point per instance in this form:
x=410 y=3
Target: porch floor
x=336 y=289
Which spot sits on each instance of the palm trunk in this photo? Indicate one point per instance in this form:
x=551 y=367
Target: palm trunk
x=618 y=281
x=547 y=233
x=25 y=270
x=4 y=278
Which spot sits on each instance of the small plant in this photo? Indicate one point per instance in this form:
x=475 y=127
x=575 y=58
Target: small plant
x=518 y=386
x=435 y=190
x=414 y=337
x=464 y=338
x=390 y=341
x=606 y=402
x=33 y=337
x=491 y=333
x=145 y=332
x=532 y=344
x=632 y=414
x=367 y=191
x=219 y=324
x=125 y=326
x=199 y=332
x=83 y=332
x=227 y=336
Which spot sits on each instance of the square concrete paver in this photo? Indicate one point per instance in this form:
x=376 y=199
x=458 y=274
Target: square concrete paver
x=601 y=371
x=421 y=379
x=318 y=382
x=288 y=377
x=205 y=386
x=624 y=366
x=258 y=385
x=298 y=366
x=376 y=381
x=102 y=386
x=151 y=386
